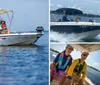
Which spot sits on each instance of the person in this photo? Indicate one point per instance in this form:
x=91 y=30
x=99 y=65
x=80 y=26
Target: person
x=77 y=71
x=60 y=64
x=78 y=19
x=3 y=27
x=64 y=18
x=90 y=20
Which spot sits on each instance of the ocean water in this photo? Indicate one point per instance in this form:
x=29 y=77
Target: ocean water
x=64 y=37
x=25 y=65
x=94 y=76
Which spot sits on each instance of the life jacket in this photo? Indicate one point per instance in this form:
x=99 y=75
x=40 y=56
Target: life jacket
x=79 y=68
x=60 y=60
x=3 y=26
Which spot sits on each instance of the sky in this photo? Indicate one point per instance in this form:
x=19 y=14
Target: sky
x=93 y=59
x=87 y=6
x=28 y=14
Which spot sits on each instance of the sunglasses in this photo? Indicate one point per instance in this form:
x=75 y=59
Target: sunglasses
x=84 y=54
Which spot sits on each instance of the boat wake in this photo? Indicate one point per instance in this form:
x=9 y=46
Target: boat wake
x=64 y=37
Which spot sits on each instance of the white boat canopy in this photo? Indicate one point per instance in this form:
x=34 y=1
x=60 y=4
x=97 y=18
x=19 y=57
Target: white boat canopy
x=2 y=11
x=86 y=47
x=10 y=17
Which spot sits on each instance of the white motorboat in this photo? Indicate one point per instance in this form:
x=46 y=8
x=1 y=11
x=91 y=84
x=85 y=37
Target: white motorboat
x=88 y=29
x=7 y=38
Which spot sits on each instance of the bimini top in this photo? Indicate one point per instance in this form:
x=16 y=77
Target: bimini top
x=68 y=11
x=2 y=11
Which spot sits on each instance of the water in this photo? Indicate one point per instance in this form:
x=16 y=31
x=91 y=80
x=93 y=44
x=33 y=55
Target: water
x=64 y=37
x=25 y=65
x=94 y=76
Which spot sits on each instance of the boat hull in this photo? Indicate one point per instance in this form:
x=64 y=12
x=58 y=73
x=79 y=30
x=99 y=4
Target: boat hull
x=19 y=39
x=88 y=29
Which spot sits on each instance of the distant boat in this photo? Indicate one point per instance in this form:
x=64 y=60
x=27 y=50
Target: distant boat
x=8 y=39
x=89 y=29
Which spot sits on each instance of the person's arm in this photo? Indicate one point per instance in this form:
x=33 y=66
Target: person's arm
x=85 y=71
x=52 y=66
x=56 y=59
x=71 y=68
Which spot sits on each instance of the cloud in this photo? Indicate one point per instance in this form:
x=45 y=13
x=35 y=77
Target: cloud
x=74 y=6
x=59 y=6
x=94 y=1
x=96 y=64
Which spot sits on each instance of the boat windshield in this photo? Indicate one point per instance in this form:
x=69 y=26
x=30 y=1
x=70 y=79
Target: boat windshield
x=56 y=15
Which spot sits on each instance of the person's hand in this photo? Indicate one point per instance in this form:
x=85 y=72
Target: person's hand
x=69 y=77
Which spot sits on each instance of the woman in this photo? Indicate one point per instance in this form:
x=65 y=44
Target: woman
x=77 y=71
x=61 y=63
x=3 y=25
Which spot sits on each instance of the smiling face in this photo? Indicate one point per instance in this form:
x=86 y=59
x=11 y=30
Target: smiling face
x=68 y=51
x=84 y=55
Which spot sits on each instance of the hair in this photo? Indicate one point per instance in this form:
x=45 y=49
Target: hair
x=3 y=21
x=69 y=46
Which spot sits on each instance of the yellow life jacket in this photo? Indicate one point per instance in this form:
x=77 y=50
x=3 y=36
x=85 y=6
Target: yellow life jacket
x=79 y=68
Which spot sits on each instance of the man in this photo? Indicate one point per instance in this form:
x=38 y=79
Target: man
x=77 y=71
x=64 y=18
x=61 y=63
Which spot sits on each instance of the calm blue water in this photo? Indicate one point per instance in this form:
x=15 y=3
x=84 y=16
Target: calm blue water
x=25 y=65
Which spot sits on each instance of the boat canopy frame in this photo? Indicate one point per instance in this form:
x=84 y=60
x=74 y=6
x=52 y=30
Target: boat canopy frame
x=6 y=11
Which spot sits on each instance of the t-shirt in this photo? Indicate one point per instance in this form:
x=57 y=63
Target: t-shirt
x=3 y=26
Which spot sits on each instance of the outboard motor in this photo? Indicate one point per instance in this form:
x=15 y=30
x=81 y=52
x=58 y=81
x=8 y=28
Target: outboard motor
x=40 y=29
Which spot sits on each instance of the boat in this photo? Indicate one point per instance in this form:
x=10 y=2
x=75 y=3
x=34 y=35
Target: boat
x=81 y=48
x=24 y=38
x=88 y=29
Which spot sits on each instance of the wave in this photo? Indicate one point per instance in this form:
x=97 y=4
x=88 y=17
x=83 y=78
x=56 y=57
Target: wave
x=64 y=37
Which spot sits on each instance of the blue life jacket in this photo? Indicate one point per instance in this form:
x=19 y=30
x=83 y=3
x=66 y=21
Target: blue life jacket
x=60 y=60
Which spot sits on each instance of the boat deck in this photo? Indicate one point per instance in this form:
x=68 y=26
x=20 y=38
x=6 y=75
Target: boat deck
x=56 y=82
